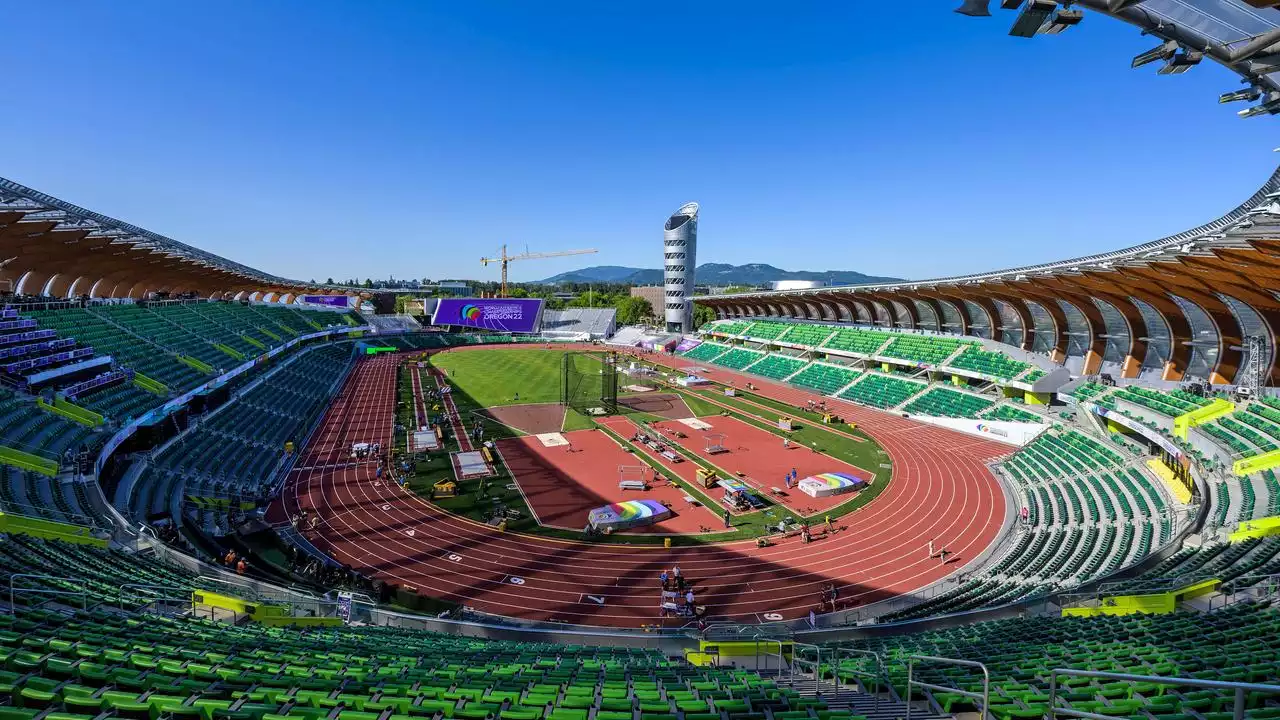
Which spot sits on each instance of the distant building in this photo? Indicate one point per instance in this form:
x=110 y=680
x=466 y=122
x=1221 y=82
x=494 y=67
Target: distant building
x=796 y=284
x=679 y=248
x=654 y=294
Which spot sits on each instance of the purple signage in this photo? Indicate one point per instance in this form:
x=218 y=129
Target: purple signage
x=516 y=315
x=341 y=301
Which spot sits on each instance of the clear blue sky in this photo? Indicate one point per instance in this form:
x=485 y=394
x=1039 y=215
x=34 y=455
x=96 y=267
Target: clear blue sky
x=315 y=139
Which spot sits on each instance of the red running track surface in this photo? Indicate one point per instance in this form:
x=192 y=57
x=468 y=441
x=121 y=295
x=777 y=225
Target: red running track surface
x=758 y=457
x=563 y=486
x=941 y=491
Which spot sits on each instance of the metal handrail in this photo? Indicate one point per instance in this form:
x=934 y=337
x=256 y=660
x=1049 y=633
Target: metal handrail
x=83 y=592
x=1239 y=688
x=758 y=639
x=187 y=596
x=985 y=695
x=817 y=663
x=879 y=675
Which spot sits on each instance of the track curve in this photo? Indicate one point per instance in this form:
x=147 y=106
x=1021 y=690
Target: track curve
x=941 y=491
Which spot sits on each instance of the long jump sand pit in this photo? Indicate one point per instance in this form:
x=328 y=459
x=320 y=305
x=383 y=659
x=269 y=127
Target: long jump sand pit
x=532 y=419
x=563 y=483
x=665 y=405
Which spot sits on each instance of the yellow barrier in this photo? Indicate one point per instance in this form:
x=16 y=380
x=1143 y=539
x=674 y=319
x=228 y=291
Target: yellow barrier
x=253 y=341
x=1257 y=463
x=49 y=530
x=203 y=367
x=290 y=621
x=26 y=461
x=1214 y=410
x=270 y=334
x=230 y=351
x=1148 y=604
x=1036 y=398
x=155 y=387
x=710 y=652
x=72 y=412
x=1260 y=528
x=1177 y=489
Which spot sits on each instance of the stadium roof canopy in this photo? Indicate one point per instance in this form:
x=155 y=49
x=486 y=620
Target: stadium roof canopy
x=1182 y=305
x=1243 y=35
x=52 y=247
x=1198 y=304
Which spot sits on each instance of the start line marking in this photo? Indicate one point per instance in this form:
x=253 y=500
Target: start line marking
x=773 y=616
x=453 y=557
x=593 y=598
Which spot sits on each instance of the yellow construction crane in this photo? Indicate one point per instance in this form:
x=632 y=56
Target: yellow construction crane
x=504 y=258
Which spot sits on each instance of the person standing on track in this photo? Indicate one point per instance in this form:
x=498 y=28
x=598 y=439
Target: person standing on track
x=727 y=523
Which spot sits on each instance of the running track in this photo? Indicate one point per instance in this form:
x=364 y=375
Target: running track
x=941 y=491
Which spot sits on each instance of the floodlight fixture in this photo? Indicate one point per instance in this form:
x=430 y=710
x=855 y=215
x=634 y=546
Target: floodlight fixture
x=1270 y=105
x=1164 y=51
x=1031 y=17
x=1062 y=20
x=975 y=8
x=1181 y=62
x=1250 y=94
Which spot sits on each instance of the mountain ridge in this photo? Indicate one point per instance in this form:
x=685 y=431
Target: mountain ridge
x=718 y=274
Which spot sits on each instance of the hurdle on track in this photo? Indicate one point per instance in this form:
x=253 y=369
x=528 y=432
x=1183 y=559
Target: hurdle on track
x=714 y=443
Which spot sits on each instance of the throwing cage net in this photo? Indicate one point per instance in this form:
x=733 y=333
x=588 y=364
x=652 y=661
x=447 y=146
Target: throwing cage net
x=589 y=382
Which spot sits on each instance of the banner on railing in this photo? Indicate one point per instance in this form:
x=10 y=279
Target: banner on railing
x=338 y=301
x=344 y=606
x=1137 y=426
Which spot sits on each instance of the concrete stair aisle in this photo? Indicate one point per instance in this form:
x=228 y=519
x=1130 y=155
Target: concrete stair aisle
x=852 y=698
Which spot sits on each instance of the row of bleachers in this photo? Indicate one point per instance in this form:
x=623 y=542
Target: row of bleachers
x=738 y=358
x=944 y=402
x=153 y=360
x=810 y=335
x=826 y=379
x=996 y=364
x=104 y=664
x=1053 y=456
x=121 y=401
x=766 y=330
x=777 y=366
x=865 y=342
x=705 y=352
x=728 y=327
x=235 y=452
x=153 y=326
x=1170 y=404
x=1239 y=564
x=1237 y=643
x=1089 y=391
x=1087 y=516
x=1012 y=413
x=1260 y=442
x=931 y=349
x=100 y=572
x=904 y=346
x=25 y=426
x=882 y=391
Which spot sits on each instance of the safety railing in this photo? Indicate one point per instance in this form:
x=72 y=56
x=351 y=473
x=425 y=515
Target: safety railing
x=14 y=589
x=1240 y=690
x=879 y=675
x=912 y=683
x=129 y=592
x=759 y=640
x=817 y=663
